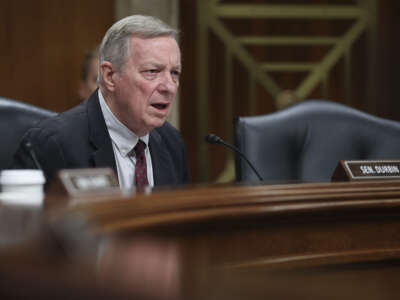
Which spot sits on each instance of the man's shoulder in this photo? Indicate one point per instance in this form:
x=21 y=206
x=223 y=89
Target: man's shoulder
x=72 y=120
x=66 y=118
x=75 y=112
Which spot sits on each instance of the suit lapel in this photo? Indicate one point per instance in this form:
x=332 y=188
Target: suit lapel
x=103 y=154
x=161 y=160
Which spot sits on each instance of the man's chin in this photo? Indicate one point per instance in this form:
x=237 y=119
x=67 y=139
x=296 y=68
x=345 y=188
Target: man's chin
x=158 y=123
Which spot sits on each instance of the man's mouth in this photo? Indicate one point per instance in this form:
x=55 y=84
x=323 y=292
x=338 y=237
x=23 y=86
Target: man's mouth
x=160 y=106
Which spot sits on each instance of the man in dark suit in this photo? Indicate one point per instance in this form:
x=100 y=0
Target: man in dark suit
x=139 y=69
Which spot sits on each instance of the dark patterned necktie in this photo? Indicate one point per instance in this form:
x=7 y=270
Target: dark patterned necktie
x=141 y=167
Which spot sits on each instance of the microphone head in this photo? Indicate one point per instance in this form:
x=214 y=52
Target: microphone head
x=28 y=145
x=213 y=139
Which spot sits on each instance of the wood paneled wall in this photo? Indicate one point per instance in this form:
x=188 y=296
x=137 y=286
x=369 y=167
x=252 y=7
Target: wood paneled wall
x=42 y=45
x=43 y=42
x=388 y=49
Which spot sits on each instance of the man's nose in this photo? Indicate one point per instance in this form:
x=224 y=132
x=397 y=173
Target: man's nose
x=168 y=82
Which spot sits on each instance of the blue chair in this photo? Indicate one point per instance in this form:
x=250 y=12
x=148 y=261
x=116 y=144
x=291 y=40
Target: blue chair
x=306 y=141
x=16 y=118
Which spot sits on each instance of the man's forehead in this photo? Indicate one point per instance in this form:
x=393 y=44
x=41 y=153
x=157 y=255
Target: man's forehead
x=149 y=49
x=139 y=40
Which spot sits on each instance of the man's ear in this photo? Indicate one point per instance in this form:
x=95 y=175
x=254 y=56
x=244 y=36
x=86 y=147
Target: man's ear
x=108 y=75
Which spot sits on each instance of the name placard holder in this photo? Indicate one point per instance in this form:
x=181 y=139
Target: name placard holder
x=85 y=182
x=349 y=170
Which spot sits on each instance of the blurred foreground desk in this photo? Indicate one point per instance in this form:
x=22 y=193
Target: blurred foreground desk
x=296 y=241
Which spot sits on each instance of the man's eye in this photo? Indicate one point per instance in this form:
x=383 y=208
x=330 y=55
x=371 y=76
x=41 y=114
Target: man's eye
x=151 y=71
x=176 y=73
x=150 y=74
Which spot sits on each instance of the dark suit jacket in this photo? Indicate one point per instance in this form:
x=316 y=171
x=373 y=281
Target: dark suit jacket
x=78 y=138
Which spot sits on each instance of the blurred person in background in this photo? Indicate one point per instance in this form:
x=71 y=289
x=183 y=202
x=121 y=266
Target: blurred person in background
x=89 y=73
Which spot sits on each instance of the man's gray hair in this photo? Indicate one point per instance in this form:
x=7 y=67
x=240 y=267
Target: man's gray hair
x=115 y=46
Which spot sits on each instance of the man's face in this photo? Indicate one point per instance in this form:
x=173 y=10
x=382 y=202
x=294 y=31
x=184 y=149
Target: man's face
x=146 y=87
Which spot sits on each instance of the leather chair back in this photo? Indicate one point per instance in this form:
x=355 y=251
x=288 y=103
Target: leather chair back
x=15 y=119
x=305 y=142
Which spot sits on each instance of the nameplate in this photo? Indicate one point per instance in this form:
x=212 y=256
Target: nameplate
x=87 y=182
x=366 y=169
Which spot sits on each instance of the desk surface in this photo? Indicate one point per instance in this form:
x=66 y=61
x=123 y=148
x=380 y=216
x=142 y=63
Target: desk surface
x=227 y=241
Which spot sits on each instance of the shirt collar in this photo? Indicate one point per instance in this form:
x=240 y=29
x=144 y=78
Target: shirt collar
x=123 y=138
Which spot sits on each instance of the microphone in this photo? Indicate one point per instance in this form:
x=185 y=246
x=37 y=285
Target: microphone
x=29 y=148
x=215 y=139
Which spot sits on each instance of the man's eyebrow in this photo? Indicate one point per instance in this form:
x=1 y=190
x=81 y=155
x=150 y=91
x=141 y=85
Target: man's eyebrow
x=177 y=68
x=159 y=66
x=150 y=65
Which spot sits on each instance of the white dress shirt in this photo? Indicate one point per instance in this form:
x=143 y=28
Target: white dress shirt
x=123 y=142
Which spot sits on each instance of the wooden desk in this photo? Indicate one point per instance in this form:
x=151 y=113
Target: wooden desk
x=252 y=226
x=327 y=239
